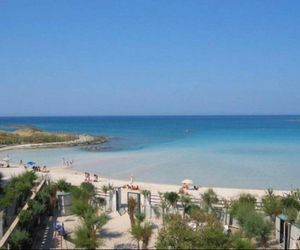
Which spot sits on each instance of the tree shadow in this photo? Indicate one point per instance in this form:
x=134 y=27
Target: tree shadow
x=125 y=246
x=107 y=234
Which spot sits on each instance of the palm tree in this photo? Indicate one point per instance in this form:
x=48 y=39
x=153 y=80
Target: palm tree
x=52 y=189
x=171 y=198
x=37 y=209
x=131 y=210
x=94 y=222
x=25 y=219
x=142 y=232
x=20 y=239
x=209 y=198
x=82 y=239
x=104 y=189
x=186 y=201
x=136 y=232
x=63 y=186
x=147 y=231
x=163 y=205
x=146 y=193
x=140 y=217
x=272 y=205
x=107 y=189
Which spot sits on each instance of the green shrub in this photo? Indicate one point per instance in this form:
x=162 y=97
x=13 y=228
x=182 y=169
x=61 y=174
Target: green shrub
x=83 y=240
x=209 y=198
x=20 y=239
x=63 y=186
x=25 y=219
x=19 y=188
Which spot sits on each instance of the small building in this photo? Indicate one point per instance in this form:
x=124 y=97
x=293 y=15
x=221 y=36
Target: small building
x=287 y=232
x=295 y=236
x=64 y=203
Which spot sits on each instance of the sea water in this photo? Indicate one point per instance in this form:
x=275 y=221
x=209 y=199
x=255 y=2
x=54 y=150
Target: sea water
x=224 y=151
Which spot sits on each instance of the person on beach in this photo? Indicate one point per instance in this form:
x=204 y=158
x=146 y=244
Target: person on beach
x=95 y=178
x=131 y=179
x=87 y=177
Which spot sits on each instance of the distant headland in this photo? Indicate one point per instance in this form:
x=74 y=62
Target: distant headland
x=32 y=137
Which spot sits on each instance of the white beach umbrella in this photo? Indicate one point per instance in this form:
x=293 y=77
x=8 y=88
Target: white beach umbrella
x=187 y=181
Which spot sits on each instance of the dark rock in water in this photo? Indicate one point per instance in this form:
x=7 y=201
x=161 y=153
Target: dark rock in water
x=96 y=148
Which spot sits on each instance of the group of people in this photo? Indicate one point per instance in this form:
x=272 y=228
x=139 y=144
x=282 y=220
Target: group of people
x=44 y=169
x=130 y=185
x=185 y=187
x=67 y=163
x=88 y=177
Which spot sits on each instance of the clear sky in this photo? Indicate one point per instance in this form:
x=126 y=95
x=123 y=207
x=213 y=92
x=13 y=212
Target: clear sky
x=149 y=57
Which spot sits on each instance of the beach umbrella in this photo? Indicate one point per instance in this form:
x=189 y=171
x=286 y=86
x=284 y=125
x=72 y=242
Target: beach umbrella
x=187 y=181
x=31 y=163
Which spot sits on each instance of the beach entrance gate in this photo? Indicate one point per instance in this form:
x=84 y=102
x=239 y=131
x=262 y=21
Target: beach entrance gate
x=64 y=203
x=283 y=230
x=118 y=199
x=137 y=197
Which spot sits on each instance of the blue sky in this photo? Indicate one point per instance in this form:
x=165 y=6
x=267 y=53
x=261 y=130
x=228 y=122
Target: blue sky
x=149 y=57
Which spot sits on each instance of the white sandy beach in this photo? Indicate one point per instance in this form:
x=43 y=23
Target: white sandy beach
x=76 y=178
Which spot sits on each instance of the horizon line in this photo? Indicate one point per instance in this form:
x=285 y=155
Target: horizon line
x=144 y=115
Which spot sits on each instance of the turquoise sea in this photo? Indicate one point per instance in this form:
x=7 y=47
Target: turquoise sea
x=224 y=151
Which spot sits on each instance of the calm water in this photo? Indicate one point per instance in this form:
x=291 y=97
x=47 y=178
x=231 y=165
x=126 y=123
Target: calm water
x=231 y=151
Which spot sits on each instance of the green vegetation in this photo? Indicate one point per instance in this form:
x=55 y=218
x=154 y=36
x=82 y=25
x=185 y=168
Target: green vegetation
x=131 y=210
x=146 y=194
x=168 y=200
x=177 y=234
x=64 y=186
x=16 y=194
x=33 y=135
x=186 y=202
x=209 y=198
x=272 y=205
x=289 y=205
x=252 y=222
x=141 y=231
x=20 y=239
x=199 y=227
x=18 y=189
x=91 y=218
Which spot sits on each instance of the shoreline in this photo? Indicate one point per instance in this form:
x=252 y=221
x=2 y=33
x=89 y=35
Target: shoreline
x=76 y=177
x=81 y=141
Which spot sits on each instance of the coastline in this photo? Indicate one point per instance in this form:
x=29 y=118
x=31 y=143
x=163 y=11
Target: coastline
x=76 y=177
x=81 y=141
